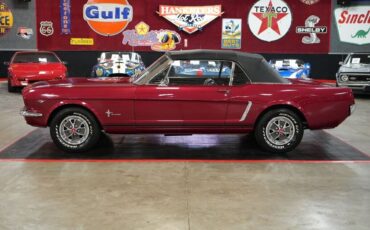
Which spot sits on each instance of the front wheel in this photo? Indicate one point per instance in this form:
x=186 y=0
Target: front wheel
x=279 y=131
x=74 y=130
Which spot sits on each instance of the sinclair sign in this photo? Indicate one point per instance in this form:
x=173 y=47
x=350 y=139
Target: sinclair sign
x=353 y=24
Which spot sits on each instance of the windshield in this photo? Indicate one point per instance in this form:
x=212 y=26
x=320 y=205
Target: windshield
x=158 y=66
x=359 y=59
x=35 y=58
x=119 y=56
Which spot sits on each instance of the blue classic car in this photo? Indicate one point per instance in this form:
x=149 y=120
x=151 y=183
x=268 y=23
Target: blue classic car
x=201 y=68
x=112 y=64
x=291 y=68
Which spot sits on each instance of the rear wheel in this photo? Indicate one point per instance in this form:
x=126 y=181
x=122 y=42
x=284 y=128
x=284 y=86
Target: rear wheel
x=74 y=130
x=279 y=131
x=11 y=89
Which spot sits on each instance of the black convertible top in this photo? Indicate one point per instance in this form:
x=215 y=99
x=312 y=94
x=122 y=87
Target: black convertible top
x=254 y=65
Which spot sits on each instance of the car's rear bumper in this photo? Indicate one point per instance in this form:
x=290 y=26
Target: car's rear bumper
x=21 y=82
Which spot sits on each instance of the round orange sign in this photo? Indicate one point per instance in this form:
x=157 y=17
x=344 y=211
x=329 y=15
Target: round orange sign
x=108 y=17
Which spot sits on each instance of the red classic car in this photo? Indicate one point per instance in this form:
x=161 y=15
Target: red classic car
x=188 y=92
x=28 y=67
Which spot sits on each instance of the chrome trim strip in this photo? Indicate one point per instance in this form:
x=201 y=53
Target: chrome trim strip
x=246 y=111
x=232 y=74
x=26 y=113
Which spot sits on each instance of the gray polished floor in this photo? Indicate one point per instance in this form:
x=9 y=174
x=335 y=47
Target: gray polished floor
x=184 y=195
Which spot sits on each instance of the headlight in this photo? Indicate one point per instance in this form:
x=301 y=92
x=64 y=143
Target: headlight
x=344 y=78
x=108 y=65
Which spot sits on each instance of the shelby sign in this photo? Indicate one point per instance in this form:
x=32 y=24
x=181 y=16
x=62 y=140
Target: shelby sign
x=353 y=24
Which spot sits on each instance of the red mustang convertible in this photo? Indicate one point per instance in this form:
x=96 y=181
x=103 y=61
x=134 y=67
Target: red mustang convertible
x=188 y=92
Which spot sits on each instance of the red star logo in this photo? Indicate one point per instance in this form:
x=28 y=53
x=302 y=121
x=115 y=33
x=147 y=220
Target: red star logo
x=270 y=19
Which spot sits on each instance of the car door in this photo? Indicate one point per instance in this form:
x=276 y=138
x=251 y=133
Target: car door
x=203 y=91
x=156 y=104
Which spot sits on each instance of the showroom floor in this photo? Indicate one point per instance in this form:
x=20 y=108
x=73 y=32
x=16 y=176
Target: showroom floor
x=176 y=194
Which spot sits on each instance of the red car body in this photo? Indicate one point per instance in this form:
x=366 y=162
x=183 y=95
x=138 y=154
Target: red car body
x=190 y=110
x=121 y=107
x=28 y=67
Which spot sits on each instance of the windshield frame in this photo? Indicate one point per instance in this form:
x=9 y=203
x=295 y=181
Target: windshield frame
x=157 y=67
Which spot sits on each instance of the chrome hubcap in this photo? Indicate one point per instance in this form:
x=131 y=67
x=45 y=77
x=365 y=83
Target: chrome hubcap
x=74 y=130
x=280 y=130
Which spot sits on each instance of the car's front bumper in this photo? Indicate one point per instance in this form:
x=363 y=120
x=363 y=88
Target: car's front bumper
x=25 y=113
x=352 y=109
x=356 y=87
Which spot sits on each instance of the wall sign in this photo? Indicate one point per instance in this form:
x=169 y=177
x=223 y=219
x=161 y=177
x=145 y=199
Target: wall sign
x=25 y=33
x=46 y=28
x=158 y=40
x=190 y=18
x=6 y=19
x=108 y=17
x=281 y=19
x=82 y=41
x=353 y=24
x=310 y=2
x=231 y=33
x=65 y=16
x=270 y=20
x=311 y=29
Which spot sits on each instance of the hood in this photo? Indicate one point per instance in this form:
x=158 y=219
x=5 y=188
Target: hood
x=83 y=82
x=355 y=68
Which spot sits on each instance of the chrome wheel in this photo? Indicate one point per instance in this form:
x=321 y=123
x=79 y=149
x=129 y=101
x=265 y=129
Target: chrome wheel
x=280 y=130
x=74 y=130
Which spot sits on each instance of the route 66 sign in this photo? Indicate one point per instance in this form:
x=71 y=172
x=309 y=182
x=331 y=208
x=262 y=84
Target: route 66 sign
x=46 y=28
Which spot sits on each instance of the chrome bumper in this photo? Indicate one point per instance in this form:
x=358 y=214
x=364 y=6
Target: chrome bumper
x=355 y=86
x=26 y=113
x=352 y=108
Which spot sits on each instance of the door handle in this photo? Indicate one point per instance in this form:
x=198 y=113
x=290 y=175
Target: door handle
x=225 y=91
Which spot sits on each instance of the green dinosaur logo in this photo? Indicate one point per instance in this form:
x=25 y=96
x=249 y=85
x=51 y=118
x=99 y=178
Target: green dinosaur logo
x=361 y=34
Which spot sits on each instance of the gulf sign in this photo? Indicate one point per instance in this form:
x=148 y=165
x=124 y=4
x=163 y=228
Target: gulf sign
x=108 y=17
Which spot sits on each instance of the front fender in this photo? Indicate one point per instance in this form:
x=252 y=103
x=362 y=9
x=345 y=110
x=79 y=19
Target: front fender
x=69 y=103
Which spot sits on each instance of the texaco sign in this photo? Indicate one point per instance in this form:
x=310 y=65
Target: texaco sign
x=270 y=20
x=310 y=2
